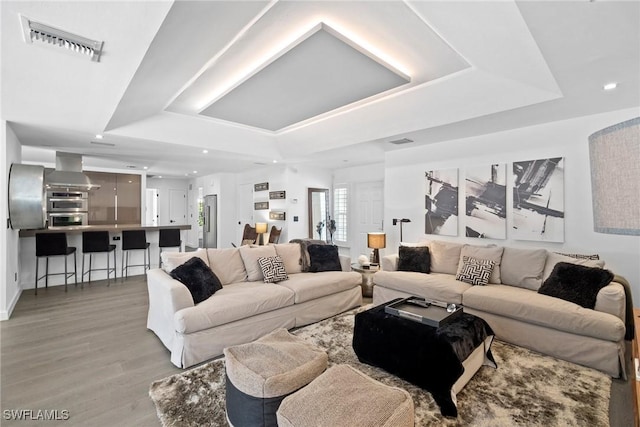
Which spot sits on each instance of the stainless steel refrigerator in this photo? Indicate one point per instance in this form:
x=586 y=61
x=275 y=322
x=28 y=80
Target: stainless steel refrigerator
x=210 y=224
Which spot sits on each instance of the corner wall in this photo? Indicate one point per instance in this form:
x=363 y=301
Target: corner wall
x=405 y=187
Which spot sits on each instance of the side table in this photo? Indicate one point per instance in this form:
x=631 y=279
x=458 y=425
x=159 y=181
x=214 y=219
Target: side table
x=367 y=278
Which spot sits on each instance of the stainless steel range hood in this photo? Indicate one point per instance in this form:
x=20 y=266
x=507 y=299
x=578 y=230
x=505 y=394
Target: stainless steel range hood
x=68 y=174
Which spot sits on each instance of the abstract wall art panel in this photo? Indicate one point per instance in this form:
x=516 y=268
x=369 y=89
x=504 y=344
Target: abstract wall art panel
x=538 y=200
x=441 y=202
x=486 y=201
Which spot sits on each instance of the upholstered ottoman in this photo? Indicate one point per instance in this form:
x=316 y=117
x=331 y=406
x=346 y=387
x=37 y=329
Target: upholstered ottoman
x=344 y=396
x=262 y=373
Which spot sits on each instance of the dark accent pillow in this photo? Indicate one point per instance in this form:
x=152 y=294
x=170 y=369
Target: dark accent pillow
x=414 y=259
x=576 y=283
x=323 y=258
x=198 y=278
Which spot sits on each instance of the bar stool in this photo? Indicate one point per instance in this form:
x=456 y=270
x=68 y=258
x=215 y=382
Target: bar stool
x=134 y=240
x=97 y=242
x=54 y=244
x=169 y=238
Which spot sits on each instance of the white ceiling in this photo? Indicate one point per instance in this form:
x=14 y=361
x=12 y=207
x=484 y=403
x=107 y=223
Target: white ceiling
x=474 y=68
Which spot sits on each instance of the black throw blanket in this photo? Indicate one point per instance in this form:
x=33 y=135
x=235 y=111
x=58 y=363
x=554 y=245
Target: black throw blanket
x=428 y=357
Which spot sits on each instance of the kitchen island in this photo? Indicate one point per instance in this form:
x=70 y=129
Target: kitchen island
x=74 y=238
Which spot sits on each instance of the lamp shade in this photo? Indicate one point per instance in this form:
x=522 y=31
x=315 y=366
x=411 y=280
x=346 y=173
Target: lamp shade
x=261 y=227
x=615 y=178
x=376 y=240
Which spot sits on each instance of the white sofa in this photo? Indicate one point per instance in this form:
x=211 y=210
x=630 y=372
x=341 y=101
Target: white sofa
x=245 y=308
x=514 y=309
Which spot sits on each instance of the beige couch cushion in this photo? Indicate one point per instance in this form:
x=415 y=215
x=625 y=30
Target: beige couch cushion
x=554 y=313
x=227 y=264
x=233 y=302
x=523 y=267
x=492 y=253
x=436 y=286
x=308 y=286
x=291 y=256
x=171 y=260
x=554 y=258
x=444 y=256
x=250 y=255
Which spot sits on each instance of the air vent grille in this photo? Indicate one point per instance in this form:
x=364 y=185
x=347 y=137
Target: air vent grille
x=401 y=141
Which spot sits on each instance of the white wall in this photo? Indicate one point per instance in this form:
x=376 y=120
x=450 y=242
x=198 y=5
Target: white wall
x=9 y=259
x=405 y=187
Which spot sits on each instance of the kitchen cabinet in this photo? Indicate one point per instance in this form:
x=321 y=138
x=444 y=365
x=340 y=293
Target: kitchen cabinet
x=117 y=201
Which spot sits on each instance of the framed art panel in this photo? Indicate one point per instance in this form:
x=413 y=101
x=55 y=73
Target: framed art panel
x=441 y=202
x=262 y=186
x=486 y=201
x=259 y=206
x=538 y=200
x=277 y=215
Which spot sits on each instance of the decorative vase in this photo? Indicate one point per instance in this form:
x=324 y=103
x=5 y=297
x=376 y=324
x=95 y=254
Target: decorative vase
x=363 y=260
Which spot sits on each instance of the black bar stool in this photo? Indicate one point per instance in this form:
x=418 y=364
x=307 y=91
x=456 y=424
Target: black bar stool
x=97 y=242
x=54 y=244
x=169 y=238
x=134 y=240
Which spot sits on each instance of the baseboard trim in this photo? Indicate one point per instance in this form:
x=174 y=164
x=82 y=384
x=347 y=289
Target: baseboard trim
x=5 y=314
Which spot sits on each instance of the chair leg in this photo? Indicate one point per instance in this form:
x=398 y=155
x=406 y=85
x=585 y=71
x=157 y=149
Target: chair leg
x=46 y=272
x=122 y=272
x=65 y=273
x=37 y=263
x=75 y=269
x=108 y=270
x=115 y=265
x=90 y=266
x=82 y=278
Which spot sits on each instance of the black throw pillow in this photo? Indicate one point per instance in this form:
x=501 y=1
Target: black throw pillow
x=324 y=258
x=414 y=259
x=198 y=278
x=576 y=283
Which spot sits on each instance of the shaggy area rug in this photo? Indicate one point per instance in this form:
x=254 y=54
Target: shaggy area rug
x=527 y=388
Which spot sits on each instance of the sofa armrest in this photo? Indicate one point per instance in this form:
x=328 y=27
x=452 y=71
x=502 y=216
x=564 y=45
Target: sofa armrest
x=345 y=262
x=389 y=262
x=611 y=299
x=166 y=297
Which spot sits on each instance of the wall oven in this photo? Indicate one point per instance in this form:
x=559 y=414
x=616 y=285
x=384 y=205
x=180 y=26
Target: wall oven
x=67 y=219
x=61 y=204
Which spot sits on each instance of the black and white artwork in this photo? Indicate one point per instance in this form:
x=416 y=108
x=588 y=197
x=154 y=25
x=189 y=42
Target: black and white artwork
x=538 y=200
x=441 y=202
x=486 y=201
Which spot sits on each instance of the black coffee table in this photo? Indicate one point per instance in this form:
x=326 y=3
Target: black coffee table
x=428 y=357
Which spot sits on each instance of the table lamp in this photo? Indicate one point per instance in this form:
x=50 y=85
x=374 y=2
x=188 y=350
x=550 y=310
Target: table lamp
x=376 y=240
x=261 y=228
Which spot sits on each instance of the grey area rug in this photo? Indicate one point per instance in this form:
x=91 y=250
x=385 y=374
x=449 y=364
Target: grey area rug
x=527 y=389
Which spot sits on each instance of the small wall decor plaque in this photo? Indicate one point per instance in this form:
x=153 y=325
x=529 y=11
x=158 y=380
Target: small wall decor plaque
x=277 y=195
x=259 y=206
x=262 y=186
x=278 y=216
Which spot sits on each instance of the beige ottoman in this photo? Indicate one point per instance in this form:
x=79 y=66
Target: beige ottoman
x=262 y=373
x=344 y=396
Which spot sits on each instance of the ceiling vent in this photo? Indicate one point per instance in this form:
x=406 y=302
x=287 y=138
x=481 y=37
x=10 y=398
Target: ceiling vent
x=35 y=31
x=104 y=144
x=401 y=141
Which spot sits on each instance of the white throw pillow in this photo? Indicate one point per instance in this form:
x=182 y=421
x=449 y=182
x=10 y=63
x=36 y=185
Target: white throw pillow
x=250 y=257
x=523 y=267
x=227 y=264
x=492 y=253
x=171 y=260
x=554 y=258
x=291 y=256
x=444 y=256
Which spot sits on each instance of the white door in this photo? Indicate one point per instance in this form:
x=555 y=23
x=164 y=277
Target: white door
x=177 y=207
x=245 y=209
x=151 y=206
x=369 y=215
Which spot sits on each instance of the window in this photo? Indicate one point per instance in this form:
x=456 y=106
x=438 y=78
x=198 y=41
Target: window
x=340 y=213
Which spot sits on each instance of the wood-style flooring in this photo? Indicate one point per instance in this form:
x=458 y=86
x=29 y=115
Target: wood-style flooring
x=88 y=351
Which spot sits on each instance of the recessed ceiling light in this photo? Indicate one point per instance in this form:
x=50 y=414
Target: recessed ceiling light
x=610 y=86
x=98 y=136
x=275 y=161
x=205 y=151
x=195 y=171
x=160 y=176
x=146 y=167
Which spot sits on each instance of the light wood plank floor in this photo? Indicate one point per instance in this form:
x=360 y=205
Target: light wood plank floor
x=88 y=351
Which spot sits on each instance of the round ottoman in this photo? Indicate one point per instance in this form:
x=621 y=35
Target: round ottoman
x=262 y=373
x=344 y=396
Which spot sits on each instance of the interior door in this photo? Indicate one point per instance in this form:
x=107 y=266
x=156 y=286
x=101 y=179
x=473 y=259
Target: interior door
x=245 y=210
x=370 y=213
x=177 y=207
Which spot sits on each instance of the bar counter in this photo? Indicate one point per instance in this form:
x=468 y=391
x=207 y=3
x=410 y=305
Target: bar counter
x=111 y=228
x=74 y=238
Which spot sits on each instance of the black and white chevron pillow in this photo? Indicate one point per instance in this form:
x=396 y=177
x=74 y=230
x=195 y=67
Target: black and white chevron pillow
x=272 y=269
x=475 y=271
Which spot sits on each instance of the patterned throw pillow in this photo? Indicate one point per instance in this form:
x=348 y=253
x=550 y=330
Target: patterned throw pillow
x=581 y=256
x=475 y=271
x=272 y=269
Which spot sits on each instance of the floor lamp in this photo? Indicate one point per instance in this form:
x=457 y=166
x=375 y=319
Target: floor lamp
x=401 y=221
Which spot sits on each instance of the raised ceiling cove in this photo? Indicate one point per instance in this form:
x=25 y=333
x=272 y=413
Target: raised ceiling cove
x=318 y=73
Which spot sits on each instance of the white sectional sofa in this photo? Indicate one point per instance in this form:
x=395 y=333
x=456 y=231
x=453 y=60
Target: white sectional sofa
x=245 y=308
x=515 y=310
